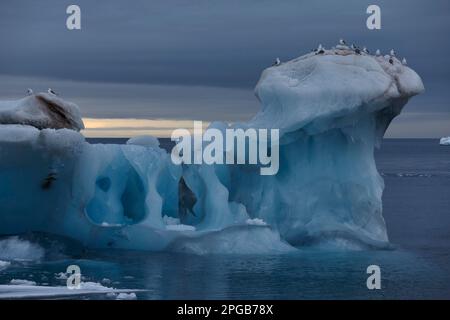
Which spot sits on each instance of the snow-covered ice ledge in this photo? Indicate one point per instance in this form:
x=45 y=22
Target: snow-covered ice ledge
x=332 y=110
x=42 y=110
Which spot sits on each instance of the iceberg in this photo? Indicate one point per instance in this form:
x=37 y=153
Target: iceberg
x=331 y=109
x=445 y=141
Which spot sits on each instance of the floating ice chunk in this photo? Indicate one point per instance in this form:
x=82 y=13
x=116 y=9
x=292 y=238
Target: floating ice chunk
x=92 y=286
x=61 y=276
x=22 y=282
x=111 y=295
x=445 y=141
x=126 y=296
x=33 y=291
x=13 y=248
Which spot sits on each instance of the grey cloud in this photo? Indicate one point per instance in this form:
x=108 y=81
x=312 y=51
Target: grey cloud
x=204 y=43
x=118 y=100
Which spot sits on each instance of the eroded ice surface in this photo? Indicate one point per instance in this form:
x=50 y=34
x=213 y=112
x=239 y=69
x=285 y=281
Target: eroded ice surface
x=332 y=110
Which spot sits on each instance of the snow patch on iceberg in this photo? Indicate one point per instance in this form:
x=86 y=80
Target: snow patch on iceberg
x=42 y=110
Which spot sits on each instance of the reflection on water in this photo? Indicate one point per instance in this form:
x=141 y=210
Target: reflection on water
x=305 y=275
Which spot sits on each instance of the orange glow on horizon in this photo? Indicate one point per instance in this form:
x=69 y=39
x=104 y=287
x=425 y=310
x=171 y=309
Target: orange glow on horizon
x=124 y=128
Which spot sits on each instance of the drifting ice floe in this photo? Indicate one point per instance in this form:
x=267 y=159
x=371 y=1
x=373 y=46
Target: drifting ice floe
x=29 y=291
x=445 y=141
x=22 y=282
x=331 y=109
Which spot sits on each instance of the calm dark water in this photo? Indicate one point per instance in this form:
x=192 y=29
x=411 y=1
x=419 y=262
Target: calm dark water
x=416 y=210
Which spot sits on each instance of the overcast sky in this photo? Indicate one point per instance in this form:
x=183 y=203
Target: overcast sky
x=200 y=59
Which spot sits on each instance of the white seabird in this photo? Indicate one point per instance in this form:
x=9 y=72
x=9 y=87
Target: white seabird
x=378 y=53
x=29 y=91
x=365 y=50
x=320 y=49
x=342 y=45
x=51 y=91
x=392 y=52
x=277 y=62
x=404 y=61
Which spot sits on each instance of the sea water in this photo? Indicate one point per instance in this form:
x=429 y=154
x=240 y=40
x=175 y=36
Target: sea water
x=416 y=204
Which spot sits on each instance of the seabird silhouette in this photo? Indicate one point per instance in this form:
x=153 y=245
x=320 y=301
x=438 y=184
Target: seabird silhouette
x=320 y=50
x=342 y=45
x=51 y=91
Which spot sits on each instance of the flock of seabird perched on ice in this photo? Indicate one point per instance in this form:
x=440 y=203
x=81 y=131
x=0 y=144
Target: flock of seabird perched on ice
x=320 y=50
x=343 y=46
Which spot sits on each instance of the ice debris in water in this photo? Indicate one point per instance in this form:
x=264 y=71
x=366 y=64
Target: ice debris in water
x=31 y=290
x=126 y=296
x=445 y=141
x=14 y=248
x=22 y=282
